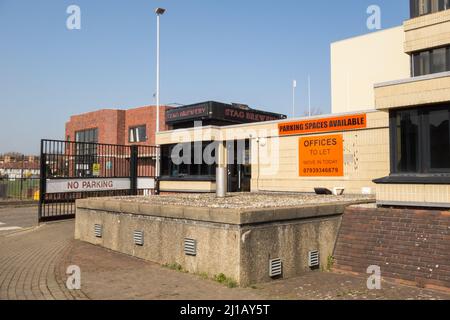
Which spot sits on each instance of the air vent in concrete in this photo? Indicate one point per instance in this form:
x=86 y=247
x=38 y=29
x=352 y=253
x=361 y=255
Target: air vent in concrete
x=313 y=258
x=275 y=268
x=138 y=238
x=98 y=230
x=190 y=247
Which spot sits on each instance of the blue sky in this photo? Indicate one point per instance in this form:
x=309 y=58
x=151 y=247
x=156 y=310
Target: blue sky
x=246 y=51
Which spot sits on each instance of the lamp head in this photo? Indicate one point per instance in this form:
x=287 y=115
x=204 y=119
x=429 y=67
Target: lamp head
x=160 y=11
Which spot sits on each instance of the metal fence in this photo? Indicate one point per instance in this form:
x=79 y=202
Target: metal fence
x=73 y=170
x=19 y=189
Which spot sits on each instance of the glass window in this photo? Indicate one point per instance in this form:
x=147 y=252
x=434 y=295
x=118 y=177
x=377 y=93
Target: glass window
x=138 y=134
x=431 y=61
x=90 y=135
x=439 y=139
x=443 y=5
x=420 y=140
x=407 y=135
x=423 y=7
x=424 y=63
x=86 y=152
x=194 y=168
x=439 y=57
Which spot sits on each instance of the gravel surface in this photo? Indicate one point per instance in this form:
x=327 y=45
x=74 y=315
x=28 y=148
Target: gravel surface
x=245 y=200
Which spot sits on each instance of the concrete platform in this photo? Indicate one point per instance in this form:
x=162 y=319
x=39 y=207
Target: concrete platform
x=233 y=239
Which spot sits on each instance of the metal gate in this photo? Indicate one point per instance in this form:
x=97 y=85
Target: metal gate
x=77 y=170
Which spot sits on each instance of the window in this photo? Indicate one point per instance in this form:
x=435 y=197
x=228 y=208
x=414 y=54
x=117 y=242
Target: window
x=407 y=141
x=423 y=7
x=439 y=63
x=138 y=134
x=90 y=135
x=195 y=167
x=431 y=61
x=86 y=152
x=438 y=139
x=420 y=140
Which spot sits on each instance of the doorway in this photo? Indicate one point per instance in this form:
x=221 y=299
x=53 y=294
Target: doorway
x=239 y=166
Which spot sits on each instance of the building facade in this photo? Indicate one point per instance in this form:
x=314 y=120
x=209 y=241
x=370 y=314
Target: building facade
x=348 y=151
x=397 y=146
x=419 y=112
x=358 y=63
x=121 y=127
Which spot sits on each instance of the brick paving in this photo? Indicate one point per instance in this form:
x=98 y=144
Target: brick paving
x=29 y=263
x=33 y=264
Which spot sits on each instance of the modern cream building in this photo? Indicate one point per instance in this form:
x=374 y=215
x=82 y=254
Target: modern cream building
x=389 y=133
x=360 y=62
x=419 y=111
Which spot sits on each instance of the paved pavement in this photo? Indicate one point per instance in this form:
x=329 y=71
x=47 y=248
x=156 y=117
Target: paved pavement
x=13 y=219
x=33 y=264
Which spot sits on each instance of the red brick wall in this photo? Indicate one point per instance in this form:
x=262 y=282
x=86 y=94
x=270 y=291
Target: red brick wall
x=107 y=122
x=113 y=125
x=145 y=116
x=410 y=245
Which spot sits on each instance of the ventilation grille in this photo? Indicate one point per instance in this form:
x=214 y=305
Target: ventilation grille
x=313 y=258
x=275 y=268
x=190 y=247
x=138 y=238
x=98 y=230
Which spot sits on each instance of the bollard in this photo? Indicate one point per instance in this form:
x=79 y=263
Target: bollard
x=221 y=181
x=221 y=171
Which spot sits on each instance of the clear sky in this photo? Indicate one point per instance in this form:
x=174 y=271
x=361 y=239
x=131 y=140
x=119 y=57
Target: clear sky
x=245 y=51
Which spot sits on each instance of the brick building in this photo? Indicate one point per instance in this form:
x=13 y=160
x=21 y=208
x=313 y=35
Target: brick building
x=123 y=127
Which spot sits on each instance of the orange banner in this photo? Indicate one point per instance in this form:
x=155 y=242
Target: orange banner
x=322 y=156
x=343 y=123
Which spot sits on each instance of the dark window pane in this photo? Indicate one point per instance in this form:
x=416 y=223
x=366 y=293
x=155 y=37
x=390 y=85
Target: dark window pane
x=424 y=7
x=439 y=135
x=138 y=134
x=439 y=60
x=407 y=134
x=414 y=8
x=434 y=6
x=416 y=65
x=142 y=133
x=424 y=63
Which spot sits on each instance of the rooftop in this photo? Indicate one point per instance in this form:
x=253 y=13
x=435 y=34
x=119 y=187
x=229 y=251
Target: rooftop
x=246 y=200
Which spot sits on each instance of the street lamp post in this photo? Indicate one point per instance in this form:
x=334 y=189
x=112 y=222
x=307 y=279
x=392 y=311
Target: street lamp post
x=294 y=86
x=159 y=12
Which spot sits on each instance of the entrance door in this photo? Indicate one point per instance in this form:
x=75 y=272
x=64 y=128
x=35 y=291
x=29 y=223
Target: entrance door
x=239 y=166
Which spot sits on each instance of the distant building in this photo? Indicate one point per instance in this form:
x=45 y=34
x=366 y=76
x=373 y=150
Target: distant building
x=137 y=126
x=123 y=127
x=16 y=167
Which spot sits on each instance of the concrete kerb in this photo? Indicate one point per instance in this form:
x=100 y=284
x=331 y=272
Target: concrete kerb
x=218 y=215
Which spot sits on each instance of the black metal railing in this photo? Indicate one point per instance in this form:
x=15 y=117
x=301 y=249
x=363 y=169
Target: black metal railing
x=82 y=161
x=19 y=189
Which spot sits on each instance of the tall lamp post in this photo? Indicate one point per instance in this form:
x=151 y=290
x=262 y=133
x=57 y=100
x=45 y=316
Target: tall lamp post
x=159 y=12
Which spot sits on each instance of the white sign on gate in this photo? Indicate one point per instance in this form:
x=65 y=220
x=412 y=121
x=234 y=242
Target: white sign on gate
x=146 y=183
x=85 y=185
